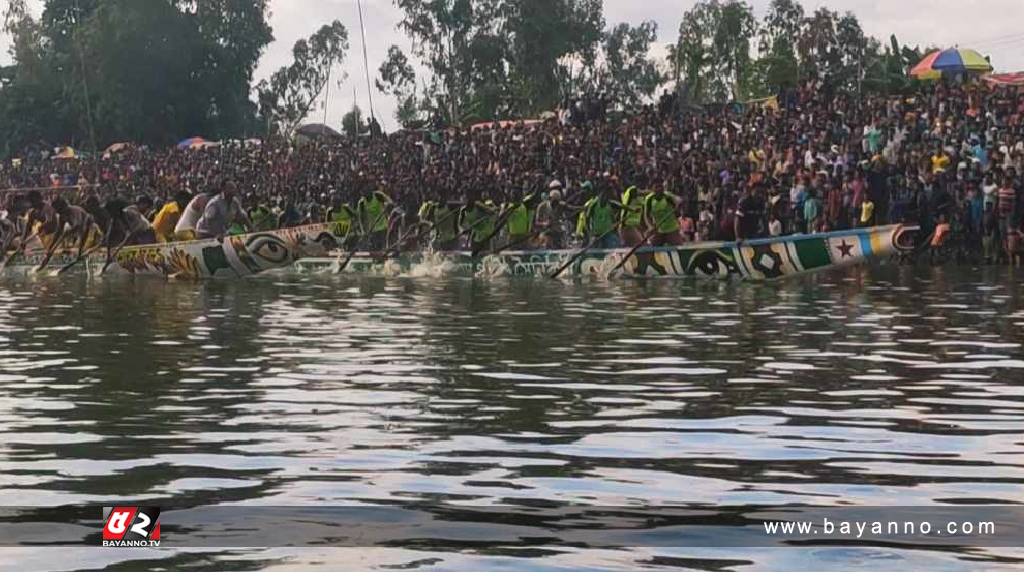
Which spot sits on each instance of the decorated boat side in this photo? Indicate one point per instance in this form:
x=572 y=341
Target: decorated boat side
x=762 y=259
x=232 y=257
x=316 y=248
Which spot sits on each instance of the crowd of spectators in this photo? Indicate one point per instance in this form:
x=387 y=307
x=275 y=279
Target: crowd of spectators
x=948 y=156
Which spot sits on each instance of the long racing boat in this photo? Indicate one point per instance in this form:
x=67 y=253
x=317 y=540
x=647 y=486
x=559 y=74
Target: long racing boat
x=318 y=249
x=761 y=259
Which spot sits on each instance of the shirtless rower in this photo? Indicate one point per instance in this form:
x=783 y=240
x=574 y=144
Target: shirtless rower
x=39 y=213
x=73 y=222
x=127 y=220
x=9 y=224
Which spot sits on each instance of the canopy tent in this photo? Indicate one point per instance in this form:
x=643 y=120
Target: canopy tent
x=951 y=61
x=114 y=148
x=1008 y=79
x=313 y=131
x=503 y=124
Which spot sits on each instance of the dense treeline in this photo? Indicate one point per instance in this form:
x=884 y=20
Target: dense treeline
x=151 y=71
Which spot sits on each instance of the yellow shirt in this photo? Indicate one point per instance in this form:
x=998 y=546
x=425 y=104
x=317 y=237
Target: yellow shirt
x=867 y=210
x=165 y=221
x=939 y=163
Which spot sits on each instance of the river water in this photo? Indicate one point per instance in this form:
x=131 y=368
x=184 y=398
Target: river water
x=861 y=387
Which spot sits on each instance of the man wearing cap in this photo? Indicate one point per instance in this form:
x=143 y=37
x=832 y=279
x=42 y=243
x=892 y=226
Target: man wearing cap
x=549 y=218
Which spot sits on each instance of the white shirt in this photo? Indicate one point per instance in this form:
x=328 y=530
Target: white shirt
x=193 y=212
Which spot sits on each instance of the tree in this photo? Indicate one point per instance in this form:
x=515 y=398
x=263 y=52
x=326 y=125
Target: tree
x=491 y=58
x=352 y=122
x=694 y=49
x=630 y=73
x=233 y=35
x=290 y=94
x=146 y=71
x=444 y=34
x=398 y=78
x=736 y=28
x=553 y=45
x=778 y=67
x=713 y=51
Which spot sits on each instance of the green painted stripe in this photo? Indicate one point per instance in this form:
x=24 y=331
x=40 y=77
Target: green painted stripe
x=813 y=253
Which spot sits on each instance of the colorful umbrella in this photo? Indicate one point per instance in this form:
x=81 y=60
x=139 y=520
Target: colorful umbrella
x=66 y=153
x=190 y=142
x=952 y=61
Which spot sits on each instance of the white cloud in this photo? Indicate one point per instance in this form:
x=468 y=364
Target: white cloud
x=992 y=26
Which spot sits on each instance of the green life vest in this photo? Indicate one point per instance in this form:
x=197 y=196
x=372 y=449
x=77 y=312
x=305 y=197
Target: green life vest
x=236 y=229
x=372 y=212
x=446 y=226
x=661 y=212
x=632 y=208
x=342 y=220
x=520 y=220
x=426 y=212
x=481 y=222
x=599 y=217
x=263 y=219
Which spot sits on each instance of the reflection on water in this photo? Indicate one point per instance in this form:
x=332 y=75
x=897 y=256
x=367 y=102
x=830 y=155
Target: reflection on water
x=865 y=387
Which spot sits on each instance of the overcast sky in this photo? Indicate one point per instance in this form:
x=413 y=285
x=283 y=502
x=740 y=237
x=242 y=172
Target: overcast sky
x=992 y=27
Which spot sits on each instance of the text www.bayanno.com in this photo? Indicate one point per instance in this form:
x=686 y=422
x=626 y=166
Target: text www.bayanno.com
x=886 y=528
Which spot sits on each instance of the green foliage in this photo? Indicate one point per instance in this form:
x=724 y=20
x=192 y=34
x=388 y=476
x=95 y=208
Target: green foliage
x=713 y=56
x=492 y=59
x=353 y=123
x=713 y=51
x=289 y=96
x=147 y=71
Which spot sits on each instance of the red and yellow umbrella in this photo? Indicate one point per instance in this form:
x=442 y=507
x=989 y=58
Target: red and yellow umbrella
x=952 y=61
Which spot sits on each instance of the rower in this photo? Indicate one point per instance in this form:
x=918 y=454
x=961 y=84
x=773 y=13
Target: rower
x=9 y=224
x=166 y=220
x=660 y=216
x=598 y=218
x=185 y=228
x=73 y=223
x=550 y=218
x=443 y=222
x=520 y=219
x=262 y=218
x=478 y=217
x=341 y=215
x=221 y=212
x=373 y=211
x=127 y=221
x=632 y=215
x=40 y=222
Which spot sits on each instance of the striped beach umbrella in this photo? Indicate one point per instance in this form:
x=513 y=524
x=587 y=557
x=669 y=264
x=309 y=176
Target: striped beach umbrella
x=190 y=142
x=951 y=61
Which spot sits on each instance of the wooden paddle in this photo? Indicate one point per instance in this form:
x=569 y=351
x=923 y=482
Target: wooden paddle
x=579 y=254
x=646 y=239
x=20 y=250
x=498 y=226
x=81 y=257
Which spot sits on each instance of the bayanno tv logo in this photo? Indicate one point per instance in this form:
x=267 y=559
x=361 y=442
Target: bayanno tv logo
x=131 y=526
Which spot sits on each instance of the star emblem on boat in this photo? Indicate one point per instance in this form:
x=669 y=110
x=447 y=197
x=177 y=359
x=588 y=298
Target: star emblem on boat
x=846 y=250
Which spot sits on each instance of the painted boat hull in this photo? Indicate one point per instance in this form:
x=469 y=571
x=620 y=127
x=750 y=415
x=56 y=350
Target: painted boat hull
x=763 y=259
x=234 y=257
x=315 y=248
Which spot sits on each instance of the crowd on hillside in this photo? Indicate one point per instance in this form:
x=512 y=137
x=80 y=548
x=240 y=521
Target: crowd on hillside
x=949 y=157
